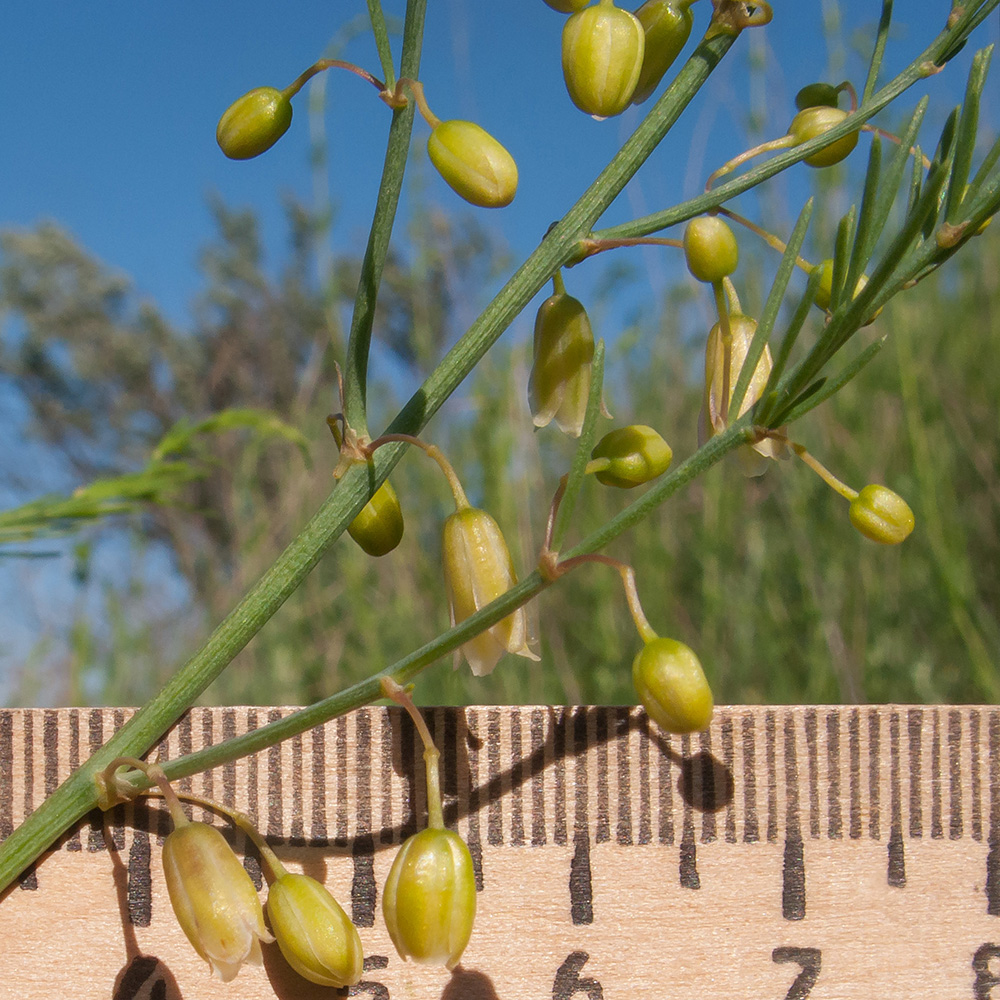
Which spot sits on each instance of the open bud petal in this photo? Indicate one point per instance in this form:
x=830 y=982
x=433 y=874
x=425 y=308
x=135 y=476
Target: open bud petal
x=602 y=50
x=313 y=932
x=473 y=163
x=429 y=900
x=215 y=902
x=638 y=454
x=477 y=570
x=671 y=685
x=881 y=515
x=559 y=385
x=253 y=123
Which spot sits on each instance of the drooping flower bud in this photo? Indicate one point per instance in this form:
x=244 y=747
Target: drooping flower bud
x=477 y=570
x=559 y=385
x=816 y=121
x=816 y=95
x=667 y=26
x=253 y=123
x=473 y=163
x=314 y=934
x=881 y=515
x=671 y=685
x=429 y=900
x=710 y=248
x=637 y=455
x=378 y=528
x=602 y=50
x=214 y=899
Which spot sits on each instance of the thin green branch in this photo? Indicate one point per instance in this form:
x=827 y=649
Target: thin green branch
x=878 y=50
x=381 y=32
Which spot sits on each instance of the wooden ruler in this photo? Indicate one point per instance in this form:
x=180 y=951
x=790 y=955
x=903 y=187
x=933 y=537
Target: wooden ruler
x=842 y=853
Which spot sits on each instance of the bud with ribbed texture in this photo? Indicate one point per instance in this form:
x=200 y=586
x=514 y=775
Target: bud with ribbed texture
x=215 y=902
x=253 y=123
x=313 y=932
x=666 y=25
x=477 y=570
x=672 y=687
x=602 y=51
x=473 y=163
x=634 y=455
x=559 y=384
x=429 y=900
x=881 y=515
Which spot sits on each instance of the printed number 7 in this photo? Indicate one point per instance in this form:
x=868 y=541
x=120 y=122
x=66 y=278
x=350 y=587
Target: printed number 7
x=809 y=959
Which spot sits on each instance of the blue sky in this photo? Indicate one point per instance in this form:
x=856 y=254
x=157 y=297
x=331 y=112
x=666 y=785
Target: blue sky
x=109 y=114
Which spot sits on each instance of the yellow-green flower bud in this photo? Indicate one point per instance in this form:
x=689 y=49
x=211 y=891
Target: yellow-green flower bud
x=253 y=123
x=378 y=527
x=559 y=384
x=429 y=900
x=567 y=6
x=637 y=454
x=710 y=248
x=477 y=570
x=314 y=934
x=881 y=515
x=602 y=50
x=812 y=122
x=825 y=289
x=816 y=95
x=671 y=685
x=667 y=26
x=215 y=902
x=473 y=163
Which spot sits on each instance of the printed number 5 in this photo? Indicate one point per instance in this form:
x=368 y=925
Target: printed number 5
x=809 y=959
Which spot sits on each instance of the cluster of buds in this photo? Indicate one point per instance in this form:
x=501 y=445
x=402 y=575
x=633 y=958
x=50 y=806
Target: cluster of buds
x=216 y=903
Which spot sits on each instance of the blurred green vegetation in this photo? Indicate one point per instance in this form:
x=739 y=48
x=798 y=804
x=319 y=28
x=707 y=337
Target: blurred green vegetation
x=764 y=577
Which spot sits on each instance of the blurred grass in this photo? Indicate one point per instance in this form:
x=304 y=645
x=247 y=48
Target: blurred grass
x=765 y=577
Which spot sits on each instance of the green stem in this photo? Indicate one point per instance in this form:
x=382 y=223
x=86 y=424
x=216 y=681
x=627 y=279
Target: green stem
x=381 y=32
x=359 y=344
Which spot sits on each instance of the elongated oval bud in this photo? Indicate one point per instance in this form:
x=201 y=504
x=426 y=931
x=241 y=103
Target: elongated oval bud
x=429 y=900
x=637 y=454
x=313 y=932
x=710 y=248
x=473 y=163
x=671 y=685
x=477 y=570
x=602 y=50
x=253 y=123
x=213 y=898
x=816 y=121
x=378 y=528
x=666 y=25
x=881 y=515
x=559 y=384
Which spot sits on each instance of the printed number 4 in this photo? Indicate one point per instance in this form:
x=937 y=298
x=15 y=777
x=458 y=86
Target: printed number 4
x=809 y=959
